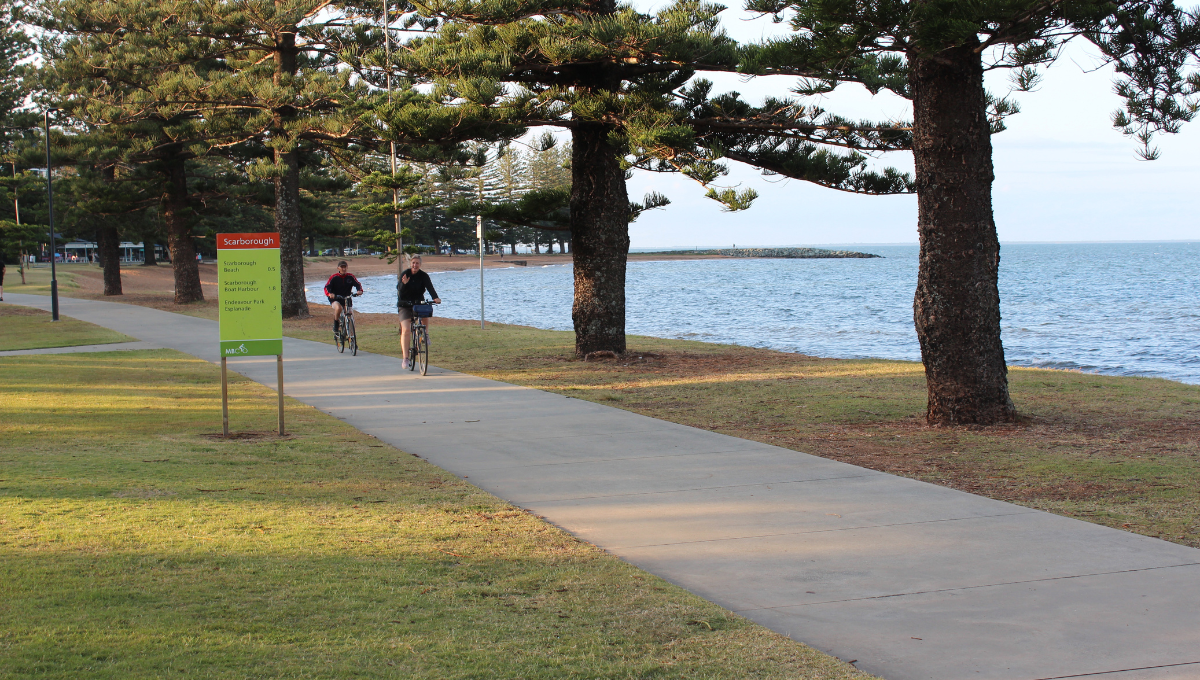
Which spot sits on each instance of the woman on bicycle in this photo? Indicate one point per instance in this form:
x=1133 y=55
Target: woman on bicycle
x=341 y=283
x=411 y=289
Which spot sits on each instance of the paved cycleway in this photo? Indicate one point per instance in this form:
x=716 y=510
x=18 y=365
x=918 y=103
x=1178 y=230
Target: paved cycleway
x=911 y=580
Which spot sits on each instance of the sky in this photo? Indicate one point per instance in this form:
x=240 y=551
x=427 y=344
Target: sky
x=1063 y=173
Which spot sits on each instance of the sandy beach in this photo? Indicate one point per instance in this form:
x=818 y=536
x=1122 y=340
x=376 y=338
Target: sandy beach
x=139 y=280
x=374 y=266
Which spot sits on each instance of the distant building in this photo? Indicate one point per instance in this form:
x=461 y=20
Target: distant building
x=85 y=251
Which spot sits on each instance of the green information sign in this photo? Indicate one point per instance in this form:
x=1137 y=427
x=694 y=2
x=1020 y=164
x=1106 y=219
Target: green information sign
x=250 y=299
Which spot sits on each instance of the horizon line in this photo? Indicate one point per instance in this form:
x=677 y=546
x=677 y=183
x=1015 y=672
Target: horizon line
x=905 y=243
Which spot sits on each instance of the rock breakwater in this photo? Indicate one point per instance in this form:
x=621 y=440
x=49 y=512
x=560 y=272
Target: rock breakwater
x=782 y=252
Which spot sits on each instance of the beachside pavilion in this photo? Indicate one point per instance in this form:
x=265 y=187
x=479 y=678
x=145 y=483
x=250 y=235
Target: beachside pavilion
x=85 y=251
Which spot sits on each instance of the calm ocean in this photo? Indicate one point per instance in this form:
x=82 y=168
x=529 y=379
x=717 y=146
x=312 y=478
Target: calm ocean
x=1113 y=308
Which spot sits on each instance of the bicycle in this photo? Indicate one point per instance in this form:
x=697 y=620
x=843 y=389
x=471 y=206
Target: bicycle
x=418 y=348
x=345 y=334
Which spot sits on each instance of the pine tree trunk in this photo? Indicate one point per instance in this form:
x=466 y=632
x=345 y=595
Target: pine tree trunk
x=957 y=303
x=291 y=244
x=600 y=241
x=175 y=213
x=287 y=192
x=149 y=257
x=109 y=248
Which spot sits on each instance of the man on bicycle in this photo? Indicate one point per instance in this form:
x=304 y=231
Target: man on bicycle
x=341 y=283
x=411 y=289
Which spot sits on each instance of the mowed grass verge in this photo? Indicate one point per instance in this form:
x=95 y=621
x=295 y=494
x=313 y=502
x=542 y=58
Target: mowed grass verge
x=136 y=543
x=1118 y=451
x=37 y=279
x=30 y=328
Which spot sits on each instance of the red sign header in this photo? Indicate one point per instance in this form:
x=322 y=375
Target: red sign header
x=245 y=241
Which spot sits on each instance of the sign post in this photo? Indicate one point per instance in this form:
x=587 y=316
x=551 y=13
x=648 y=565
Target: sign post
x=251 y=320
x=479 y=235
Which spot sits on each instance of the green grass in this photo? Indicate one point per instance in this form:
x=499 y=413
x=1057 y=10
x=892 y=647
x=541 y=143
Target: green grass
x=29 y=328
x=136 y=543
x=37 y=279
x=1118 y=451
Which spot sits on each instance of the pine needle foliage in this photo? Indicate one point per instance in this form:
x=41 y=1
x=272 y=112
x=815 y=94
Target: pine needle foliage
x=621 y=82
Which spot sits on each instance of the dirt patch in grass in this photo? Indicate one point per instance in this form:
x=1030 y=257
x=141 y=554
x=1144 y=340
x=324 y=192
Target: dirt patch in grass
x=249 y=436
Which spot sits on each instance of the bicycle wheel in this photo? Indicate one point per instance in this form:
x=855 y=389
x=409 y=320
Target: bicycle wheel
x=412 y=348
x=353 y=340
x=340 y=336
x=423 y=349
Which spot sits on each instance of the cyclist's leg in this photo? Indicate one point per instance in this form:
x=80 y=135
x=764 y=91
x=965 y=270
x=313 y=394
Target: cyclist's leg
x=405 y=337
x=337 y=315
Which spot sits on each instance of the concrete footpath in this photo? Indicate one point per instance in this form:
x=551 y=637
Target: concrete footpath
x=911 y=580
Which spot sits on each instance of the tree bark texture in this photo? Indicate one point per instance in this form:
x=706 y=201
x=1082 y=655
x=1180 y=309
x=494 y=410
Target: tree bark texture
x=149 y=257
x=291 y=243
x=176 y=214
x=108 y=242
x=287 y=190
x=599 y=241
x=956 y=308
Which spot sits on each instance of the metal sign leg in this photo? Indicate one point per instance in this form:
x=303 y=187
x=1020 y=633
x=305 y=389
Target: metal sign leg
x=224 y=400
x=279 y=371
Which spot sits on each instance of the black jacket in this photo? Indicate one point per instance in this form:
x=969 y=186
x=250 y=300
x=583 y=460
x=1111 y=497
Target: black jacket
x=342 y=284
x=414 y=290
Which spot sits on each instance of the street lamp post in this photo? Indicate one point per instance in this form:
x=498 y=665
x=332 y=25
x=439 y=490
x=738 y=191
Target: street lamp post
x=479 y=234
x=50 y=204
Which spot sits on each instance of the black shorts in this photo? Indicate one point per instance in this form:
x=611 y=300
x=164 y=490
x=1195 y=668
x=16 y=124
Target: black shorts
x=348 y=302
x=406 y=313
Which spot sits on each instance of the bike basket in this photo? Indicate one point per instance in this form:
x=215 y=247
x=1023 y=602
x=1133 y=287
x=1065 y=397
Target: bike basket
x=423 y=311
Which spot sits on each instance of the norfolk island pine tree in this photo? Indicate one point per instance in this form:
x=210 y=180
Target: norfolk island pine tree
x=264 y=71
x=18 y=133
x=612 y=77
x=126 y=70
x=935 y=53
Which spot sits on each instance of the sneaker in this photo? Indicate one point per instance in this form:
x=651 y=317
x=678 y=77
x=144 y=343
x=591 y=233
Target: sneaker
x=404 y=363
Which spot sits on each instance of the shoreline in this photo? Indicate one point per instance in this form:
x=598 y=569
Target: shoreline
x=152 y=286
x=371 y=265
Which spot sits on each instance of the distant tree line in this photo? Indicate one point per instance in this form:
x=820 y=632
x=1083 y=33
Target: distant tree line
x=334 y=124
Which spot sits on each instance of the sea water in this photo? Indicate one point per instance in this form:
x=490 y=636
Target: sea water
x=1112 y=308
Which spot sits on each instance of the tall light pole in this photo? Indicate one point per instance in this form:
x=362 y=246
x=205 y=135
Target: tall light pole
x=387 y=51
x=17 y=214
x=479 y=233
x=50 y=204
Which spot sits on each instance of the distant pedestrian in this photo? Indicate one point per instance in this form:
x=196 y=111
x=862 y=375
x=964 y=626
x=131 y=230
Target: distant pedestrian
x=1 y=277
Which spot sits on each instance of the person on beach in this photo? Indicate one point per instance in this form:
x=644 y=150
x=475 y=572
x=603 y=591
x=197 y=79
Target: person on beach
x=411 y=289
x=341 y=283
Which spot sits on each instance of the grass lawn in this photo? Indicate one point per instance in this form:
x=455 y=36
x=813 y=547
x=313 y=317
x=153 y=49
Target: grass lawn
x=136 y=543
x=1124 y=452
x=37 y=279
x=29 y=328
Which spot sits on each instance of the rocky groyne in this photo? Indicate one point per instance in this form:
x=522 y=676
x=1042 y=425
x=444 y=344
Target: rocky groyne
x=777 y=252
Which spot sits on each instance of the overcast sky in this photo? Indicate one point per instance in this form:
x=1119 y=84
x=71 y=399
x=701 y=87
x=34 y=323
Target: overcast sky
x=1063 y=173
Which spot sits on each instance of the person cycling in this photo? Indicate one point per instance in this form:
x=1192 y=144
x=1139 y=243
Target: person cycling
x=411 y=289
x=341 y=283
